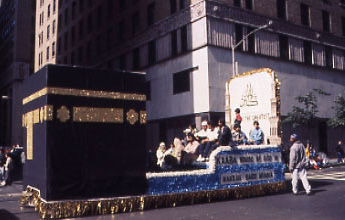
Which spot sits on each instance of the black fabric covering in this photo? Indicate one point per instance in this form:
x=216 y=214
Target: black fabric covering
x=86 y=160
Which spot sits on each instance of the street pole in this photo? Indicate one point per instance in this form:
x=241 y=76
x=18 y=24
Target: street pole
x=233 y=47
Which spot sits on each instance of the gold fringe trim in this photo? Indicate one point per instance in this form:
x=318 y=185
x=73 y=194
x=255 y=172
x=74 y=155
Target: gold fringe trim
x=71 y=209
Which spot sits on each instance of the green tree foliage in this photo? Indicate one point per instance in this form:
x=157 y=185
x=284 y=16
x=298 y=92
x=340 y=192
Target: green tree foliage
x=339 y=108
x=305 y=115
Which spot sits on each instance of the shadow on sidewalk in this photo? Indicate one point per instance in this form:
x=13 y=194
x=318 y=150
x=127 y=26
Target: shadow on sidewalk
x=6 y=215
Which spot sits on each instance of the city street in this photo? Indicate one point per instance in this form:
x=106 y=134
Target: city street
x=327 y=202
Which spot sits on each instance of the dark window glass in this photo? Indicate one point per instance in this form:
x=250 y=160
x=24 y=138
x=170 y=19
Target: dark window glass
x=173 y=6
x=305 y=15
x=343 y=25
x=150 y=14
x=181 y=82
x=136 y=59
x=249 y=4
x=122 y=4
x=251 y=41
x=72 y=58
x=99 y=44
x=74 y=7
x=72 y=36
x=66 y=16
x=47 y=55
x=110 y=9
x=152 y=52
x=237 y=3
x=239 y=36
x=65 y=59
x=59 y=46
x=281 y=9
x=60 y=22
x=284 y=47
x=99 y=17
x=307 y=52
x=184 y=39
x=329 y=57
x=121 y=30
x=182 y=4
x=81 y=29
x=80 y=55
x=135 y=22
x=326 y=21
x=122 y=62
x=109 y=39
x=174 y=42
x=66 y=41
x=89 y=23
x=89 y=3
x=81 y=5
x=89 y=51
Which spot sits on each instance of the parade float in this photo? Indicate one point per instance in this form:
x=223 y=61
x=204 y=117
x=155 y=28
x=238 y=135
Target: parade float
x=84 y=147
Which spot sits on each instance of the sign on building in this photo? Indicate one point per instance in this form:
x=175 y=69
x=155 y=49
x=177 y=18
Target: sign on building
x=256 y=94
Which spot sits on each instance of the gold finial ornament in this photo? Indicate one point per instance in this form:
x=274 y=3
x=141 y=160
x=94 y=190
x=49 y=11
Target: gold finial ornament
x=63 y=114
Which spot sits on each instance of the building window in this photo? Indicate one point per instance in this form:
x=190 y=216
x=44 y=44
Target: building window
x=284 y=47
x=136 y=59
x=89 y=23
x=89 y=3
x=150 y=14
x=99 y=16
x=152 y=52
x=305 y=15
x=48 y=31
x=66 y=41
x=110 y=9
x=72 y=58
x=281 y=9
x=80 y=55
x=81 y=5
x=122 y=4
x=174 y=43
x=237 y=3
x=329 y=57
x=121 y=30
x=181 y=82
x=307 y=52
x=47 y=56
x=184 y=39
x=249 y=4
x=48 y=12
x=81 y=29
x=54 y=6
x=89 y=51
x=109 y=39
x=54 y=27
x=59 y=46
x=326 y=21
x=66 y=16
x=53 y=49
x=239 y=36
x=72 y=35
x=182 y=4
x=251 y=41
x=60 y=22
x=135 y=22
x=173 y=6
x=343 y=25
x=74 y=7
x=99 y=44
x=342 y=3
x=122 y=62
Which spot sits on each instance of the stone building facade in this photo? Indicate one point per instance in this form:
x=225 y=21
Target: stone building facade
x=184 y=48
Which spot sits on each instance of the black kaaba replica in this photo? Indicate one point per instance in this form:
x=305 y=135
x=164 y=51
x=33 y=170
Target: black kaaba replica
x=84 y=133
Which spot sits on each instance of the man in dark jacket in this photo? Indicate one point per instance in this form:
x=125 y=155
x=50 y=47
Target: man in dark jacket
x=224 y=134
x=298 y=162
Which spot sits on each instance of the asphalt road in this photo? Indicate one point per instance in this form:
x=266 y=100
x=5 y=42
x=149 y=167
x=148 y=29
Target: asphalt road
x=327 y=202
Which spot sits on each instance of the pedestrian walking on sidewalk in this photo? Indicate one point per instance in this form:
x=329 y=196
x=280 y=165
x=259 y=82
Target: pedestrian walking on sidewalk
x=340 y=152
x=297 y=165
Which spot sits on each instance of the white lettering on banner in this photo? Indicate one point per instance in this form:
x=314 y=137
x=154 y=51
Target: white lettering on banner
x=224 y=160
x=231 y=178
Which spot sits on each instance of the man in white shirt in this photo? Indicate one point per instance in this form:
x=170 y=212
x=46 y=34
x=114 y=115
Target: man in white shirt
x=206 y=144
